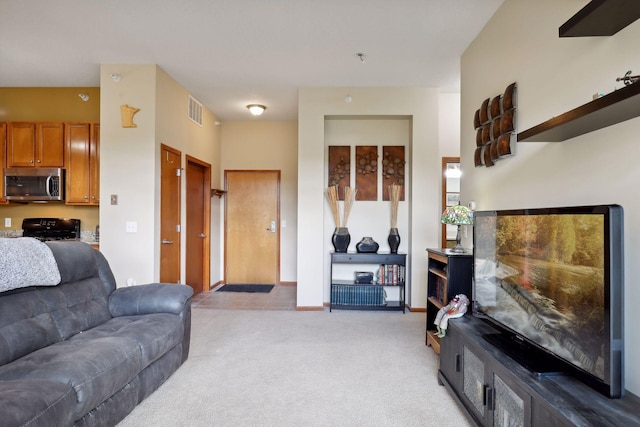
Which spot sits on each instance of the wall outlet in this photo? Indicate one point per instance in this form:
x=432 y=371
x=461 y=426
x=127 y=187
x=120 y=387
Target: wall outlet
x=132 y=227
x=7 y=222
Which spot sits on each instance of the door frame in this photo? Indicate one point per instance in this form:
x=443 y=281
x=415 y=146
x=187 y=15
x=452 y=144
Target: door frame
x=206 y=251
x=226 y=189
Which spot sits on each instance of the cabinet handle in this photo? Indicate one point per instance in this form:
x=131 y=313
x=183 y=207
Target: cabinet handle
x=457 y=362
x=488 y=397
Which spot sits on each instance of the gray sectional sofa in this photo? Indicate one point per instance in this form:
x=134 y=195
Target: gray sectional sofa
x=81 y=352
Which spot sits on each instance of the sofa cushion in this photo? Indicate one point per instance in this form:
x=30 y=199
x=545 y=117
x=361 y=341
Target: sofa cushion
x=95 y=369
x=100 y=361
x=75 y=260
x=155 y=334
x=36 y=403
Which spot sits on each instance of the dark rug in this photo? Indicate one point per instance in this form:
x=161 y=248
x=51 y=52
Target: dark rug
x=262 y=289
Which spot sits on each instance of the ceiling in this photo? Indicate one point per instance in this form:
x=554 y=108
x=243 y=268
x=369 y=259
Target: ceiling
x=228 y=54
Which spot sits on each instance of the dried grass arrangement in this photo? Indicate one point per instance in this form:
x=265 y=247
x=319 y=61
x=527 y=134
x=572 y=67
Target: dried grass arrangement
x=349 y=198
x=395 y=191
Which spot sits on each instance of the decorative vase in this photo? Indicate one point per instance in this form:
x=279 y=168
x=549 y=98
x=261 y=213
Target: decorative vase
x=394 y=240
x=341 y=239
x=367 y=245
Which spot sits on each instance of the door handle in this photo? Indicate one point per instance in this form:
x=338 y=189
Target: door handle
x=272 y=228
x=202 y=235
x=167 y=242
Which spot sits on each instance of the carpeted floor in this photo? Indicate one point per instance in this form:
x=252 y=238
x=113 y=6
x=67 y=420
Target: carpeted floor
x=291 y=368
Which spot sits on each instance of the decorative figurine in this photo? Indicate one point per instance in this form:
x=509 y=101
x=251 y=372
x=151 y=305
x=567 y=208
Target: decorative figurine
x=457 y=307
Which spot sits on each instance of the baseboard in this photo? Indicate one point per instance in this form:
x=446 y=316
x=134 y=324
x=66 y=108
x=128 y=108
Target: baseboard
x=289 y=283
x=417 y=309
x=218 y=283
x=308 y=308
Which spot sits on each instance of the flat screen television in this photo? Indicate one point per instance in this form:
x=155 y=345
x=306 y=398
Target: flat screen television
x=551 y=282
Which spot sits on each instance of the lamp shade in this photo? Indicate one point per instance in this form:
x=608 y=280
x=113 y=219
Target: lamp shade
x=256 y=109
x=457 y=215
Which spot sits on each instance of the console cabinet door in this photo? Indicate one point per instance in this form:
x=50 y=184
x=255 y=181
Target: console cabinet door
x=492 y=396
x=451 y=359
x=508 y=405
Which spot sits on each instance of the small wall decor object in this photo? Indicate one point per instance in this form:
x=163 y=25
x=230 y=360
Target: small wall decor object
x=127 y=114
x=339 y=168
x=495 y=126
x=393 y=169
x=367 y=172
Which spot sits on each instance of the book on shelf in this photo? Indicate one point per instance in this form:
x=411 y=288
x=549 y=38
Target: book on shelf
x=357 y=295
x=391 y=274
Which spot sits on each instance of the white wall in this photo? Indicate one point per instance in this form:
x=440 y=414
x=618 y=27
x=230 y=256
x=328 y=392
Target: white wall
x=130 y=165
x=259 y=145
x=314 y=104
x=555 y=75
x=128 y=170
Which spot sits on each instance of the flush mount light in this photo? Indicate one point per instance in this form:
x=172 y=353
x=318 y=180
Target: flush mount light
x=84 y=96
x=256 y=109
x=116 y=77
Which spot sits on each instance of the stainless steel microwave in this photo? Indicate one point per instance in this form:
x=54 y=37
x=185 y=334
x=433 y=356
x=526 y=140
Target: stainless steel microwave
x=34 y=184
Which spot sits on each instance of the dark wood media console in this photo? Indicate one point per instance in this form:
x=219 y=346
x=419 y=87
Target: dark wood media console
x=497 y=390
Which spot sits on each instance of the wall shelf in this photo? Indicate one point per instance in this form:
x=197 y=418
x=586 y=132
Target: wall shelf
x=615 y=107
x=601 y=18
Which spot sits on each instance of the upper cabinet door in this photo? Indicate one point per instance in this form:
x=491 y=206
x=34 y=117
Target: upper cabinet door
x=50 y=145
x=21 y=144
x=35 y=145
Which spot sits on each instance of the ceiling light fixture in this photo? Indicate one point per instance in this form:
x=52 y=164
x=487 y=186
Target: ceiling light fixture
x=256 y=109
x=116 y=77
x=84 y=96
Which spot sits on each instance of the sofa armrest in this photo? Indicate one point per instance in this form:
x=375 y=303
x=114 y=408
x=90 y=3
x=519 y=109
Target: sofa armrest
x=151 y=298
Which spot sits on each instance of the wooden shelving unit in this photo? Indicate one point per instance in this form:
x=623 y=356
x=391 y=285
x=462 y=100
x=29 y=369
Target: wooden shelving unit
x=601 y=18
x=615 y=107
x=448 y=274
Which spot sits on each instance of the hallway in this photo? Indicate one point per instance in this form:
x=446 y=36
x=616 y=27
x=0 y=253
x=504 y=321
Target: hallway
x=281 y=298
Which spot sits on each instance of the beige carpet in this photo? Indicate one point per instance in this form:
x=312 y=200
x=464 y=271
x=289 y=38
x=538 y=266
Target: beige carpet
x=289 y=368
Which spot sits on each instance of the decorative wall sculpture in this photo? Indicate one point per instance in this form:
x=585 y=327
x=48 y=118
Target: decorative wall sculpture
x=339 y=168
x=393 y=168
x=495 y=127
x=367 y=172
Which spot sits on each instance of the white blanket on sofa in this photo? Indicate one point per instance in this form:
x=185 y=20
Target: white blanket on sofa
x=25 y=261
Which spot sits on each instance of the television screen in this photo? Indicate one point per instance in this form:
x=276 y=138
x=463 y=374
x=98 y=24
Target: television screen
x=553 y=277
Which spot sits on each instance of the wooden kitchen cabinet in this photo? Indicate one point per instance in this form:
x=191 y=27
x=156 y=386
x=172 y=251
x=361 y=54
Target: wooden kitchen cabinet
x=37 y=145
x=83 y=163
x=3 y=151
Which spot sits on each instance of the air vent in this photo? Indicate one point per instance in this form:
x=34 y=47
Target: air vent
x=195 y=110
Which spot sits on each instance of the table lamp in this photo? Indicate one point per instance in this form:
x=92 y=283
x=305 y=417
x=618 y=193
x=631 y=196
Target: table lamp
x=457 y=215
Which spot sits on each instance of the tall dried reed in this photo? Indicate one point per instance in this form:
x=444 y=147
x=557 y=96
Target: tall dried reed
x=349 y=198
x=395 y=191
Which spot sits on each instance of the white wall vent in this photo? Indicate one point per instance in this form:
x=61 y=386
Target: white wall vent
x=195 y=110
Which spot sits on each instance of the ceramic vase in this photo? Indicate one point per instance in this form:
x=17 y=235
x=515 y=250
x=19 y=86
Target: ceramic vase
x=394 y=240
x=341 y=239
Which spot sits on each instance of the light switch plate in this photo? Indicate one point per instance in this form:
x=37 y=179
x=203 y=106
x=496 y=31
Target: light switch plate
x=7 y=222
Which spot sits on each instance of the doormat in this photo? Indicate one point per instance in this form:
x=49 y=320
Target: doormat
x=261 y=289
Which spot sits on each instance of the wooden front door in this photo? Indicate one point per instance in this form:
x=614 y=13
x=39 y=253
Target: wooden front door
x=171 y=164
x=198 y=224
x=252 y=232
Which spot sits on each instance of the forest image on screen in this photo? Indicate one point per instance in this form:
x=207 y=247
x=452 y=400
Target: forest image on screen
x=543 y=276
